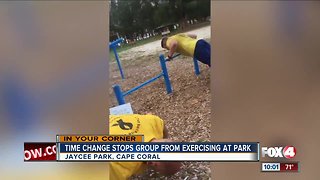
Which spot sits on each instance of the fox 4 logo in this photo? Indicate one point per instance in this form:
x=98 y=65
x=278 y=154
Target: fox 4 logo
x=279 y=152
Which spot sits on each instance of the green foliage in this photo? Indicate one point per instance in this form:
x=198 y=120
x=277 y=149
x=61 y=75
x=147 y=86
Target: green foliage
x=130 y=17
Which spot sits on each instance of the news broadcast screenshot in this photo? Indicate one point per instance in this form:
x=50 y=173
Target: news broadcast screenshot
x=159 y=90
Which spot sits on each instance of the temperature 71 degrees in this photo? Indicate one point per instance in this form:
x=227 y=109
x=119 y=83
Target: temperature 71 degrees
x=289 y=166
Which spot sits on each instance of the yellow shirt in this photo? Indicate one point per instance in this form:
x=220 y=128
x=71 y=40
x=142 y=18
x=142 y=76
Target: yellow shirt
x=149 y=125
x=186 y=44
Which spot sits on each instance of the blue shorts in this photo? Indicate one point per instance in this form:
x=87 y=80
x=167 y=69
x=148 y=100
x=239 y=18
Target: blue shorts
x=202 y=52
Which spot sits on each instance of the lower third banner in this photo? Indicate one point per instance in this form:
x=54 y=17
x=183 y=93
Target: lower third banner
x=158 y=151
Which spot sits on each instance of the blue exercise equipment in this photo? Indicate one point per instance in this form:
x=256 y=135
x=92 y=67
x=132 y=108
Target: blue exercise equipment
x=113 y=45
x=120 y=95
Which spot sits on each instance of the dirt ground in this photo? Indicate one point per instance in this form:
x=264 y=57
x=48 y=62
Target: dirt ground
x=186 y=111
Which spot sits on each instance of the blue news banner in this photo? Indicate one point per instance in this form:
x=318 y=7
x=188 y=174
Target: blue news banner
x=188 y=151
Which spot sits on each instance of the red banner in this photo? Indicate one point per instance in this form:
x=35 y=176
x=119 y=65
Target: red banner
x=289 y=167
x=40 y=151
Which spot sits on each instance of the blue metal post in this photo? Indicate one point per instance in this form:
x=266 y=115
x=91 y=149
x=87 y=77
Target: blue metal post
x=196 y=66
x=118 y=61
x=119 y=95
x=165 y=74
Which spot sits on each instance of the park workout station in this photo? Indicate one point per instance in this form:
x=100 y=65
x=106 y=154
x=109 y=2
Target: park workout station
x=161 y=88
x=120 y=94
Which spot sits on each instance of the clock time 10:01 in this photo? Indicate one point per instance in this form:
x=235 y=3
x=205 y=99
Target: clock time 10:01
x=273 y=167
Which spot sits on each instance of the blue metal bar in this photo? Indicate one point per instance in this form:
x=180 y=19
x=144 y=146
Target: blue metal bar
x=165 y=74
x=119 y=95
x=143 y=84
x=174 y=56
x=196 y=66
x=115 y=43
x=118 y=61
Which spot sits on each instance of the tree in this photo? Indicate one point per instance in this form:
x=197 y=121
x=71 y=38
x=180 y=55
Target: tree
x=132 y=17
